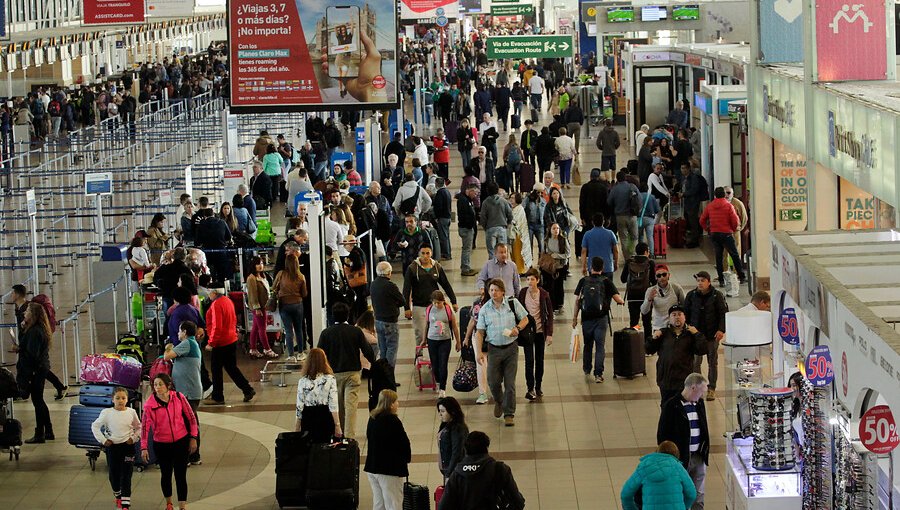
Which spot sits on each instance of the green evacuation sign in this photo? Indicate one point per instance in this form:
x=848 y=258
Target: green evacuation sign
x=529 y=46
x=504 y=1
x=791 y=214
x=511 y=10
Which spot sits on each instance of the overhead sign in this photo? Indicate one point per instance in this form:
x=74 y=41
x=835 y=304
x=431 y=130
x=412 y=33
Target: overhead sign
x=113 y=12
x=861 y=147
x=529 y=46
x=850 y=40
x=788 y=329
x=342 y=54
x=414 y=10
x=819 y=367
x=30 y=202
x=780 y=31
x=878 y=431
x=169 y=8
x=512 y=10
x=98 y=183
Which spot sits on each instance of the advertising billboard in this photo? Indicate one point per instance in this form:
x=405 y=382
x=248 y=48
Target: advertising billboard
x=851 y=40
x=427 y=11
x=341 y=54
x=169 y=8
x=113 y=12
x=780 y=31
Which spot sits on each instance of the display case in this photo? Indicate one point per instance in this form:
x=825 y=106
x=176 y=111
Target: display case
x=747 y=488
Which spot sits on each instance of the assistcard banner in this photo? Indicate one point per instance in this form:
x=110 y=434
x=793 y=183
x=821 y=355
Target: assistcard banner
x=338 y=55
x=428 y=9
x=113 y=12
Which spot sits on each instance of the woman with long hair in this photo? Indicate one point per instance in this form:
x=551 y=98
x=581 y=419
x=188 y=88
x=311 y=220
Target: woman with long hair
x=539 y=305
x=138 y=259
x=290 y=288
x=466 y=140
x=366 y=323
x=557 y=246
x=390 y=453
x=157 y=240
x=241 y=215
x=317 y=399
x=451 y=435
x=556 y=211
x=258 y=297
x=227 y=216
x=33 y=365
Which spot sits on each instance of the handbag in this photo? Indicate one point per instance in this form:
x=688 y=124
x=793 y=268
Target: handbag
x=547 y=263
x=526 y=334
x=272 y=302
x=465 y=378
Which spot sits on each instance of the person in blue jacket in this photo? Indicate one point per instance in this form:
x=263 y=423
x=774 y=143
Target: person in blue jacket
x=661 y=481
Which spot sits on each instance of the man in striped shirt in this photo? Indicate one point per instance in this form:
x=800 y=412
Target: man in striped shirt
x=683 y=421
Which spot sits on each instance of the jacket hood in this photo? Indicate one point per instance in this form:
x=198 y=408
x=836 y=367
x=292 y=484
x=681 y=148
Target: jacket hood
x=474 y=465
x=658 y=467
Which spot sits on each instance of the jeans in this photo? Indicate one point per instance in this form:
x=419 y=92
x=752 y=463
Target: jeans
x=517 y=107
x=536 y=230
x=321 y=170
x=492 y=150
x=120 y=459
x=573 y=129
x=348 y=397
x=594 y=332
x=626 y=226
x=225 y=357
x=388 y=340
x=292 y=318
x=54 y=126
x=536 y=101
x=712 y=359
x=173 y=457
x=429 y=113
x=466 y=157
x=565 y=171
x=503 y=363
x=468 y=239
x=439 y=352
x=54 y=380
x=534 y=362
x=442 y=225
x=494 y=236
x=697 y=471
x=608 y=163
x=387 y=492
x=514 y=169
x=258 y=331
x=723 y=241
x=645 y=232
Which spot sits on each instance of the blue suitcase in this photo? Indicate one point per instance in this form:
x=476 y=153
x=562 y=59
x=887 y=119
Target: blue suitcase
x=96 y=395
x=80 y=420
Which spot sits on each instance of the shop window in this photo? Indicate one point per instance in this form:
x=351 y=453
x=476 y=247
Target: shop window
x=862 y=211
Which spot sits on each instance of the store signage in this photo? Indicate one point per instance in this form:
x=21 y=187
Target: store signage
x=788 y=329
x=529 y=46
x=652 y=56
x=780 y=31
x=774 y=108
x=512 y=10
x=878 y=431
x=790 y=188
x=322 y=61
x=113 y=12
x=504 y=1
x=98 y=183
x=693 y=60
x=819 y=367
x=850 y=40
x=858 y=208
x=706 y=62
x=703 y=102
x=428 y=9
x=169 y=8
x=861 y=148
x=30 y=202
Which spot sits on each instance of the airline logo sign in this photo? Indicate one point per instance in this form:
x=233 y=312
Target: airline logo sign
x=780 y=31
x=530 y=46
x=851 y=40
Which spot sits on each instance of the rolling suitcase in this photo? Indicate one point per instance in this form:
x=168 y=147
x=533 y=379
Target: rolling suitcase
x=292 y=451
x=96 y=395
x=334 y=483
x=416 y=497
x=526 y=178
x=80 y=420
x=139 y=463
x=423 y=374
x=534 y=115
x=450 y=130
x=628 y=353
x=660 y=241
x=515 y=121
x=676 y=231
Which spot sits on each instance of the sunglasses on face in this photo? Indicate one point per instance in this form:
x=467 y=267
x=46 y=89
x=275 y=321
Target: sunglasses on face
x=660 y=275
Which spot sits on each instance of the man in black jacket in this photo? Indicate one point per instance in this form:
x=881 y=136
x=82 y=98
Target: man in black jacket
x=676 y=344
x=480 y=482
x=261 y=186
x=441 y=205
x=574 y=118
x=342 y=344
x=591 y=200
x=705 y=308
x=683 y=421
x=387 y=301
x=168 y=276
x=395 y=147
x=545 y=149
x=528 y=142
x=468 y=224
x=213 y=234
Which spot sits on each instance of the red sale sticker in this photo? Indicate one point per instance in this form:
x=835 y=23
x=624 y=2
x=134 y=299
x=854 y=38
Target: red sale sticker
x=877 y=430
x=379 y=82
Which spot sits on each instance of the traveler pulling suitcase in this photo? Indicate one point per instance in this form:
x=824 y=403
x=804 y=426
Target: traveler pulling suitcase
x=292 y=450
x=334 y=483
x=628 y=353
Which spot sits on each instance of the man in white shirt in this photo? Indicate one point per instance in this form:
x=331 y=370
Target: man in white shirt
x=657 y=187
x=536 y=87
x=333 y=234
x=759 y=302
x=639 y=138
x=490 y=143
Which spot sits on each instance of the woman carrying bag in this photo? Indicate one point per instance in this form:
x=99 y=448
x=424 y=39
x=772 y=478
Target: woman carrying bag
x=258 y=297
x=539 y=305
x=33 y=365
x=317 y=399
x=390 y=453
x=290 y=289
x=554 y=265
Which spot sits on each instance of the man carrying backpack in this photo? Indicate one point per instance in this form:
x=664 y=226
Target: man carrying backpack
x=638 y=276
x=594 y=296
x=411 y=199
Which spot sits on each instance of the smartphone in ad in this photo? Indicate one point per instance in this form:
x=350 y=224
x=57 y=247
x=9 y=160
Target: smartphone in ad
x=343 y=41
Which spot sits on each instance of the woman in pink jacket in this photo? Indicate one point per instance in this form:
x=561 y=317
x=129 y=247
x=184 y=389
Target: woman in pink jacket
x=168 y=416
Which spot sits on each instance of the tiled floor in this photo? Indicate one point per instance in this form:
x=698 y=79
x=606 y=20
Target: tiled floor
x=572 y=450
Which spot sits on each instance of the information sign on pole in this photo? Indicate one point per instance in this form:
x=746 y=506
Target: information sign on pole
x=878 y=431
x=189 y=180
x=819 y=367
x=512 y=10
x=530 y=46
x=99 y=183
x=788 y=328
x=31 y=202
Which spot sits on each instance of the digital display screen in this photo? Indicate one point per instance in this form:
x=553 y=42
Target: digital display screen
x=619 y=14
x=685 y=12
x=653 y=12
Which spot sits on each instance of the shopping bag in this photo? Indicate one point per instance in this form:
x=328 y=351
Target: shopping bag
x=575 y=346
x=273 y=322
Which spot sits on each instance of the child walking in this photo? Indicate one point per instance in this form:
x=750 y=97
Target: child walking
x=117 y=429
x=442 y=328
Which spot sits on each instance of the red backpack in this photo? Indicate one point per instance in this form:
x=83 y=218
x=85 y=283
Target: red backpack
x=44 y=301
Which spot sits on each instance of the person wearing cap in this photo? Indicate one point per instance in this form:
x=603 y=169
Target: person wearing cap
x=295 y=239
x=221 y=330
x=705 y=309
x=660 y=298
x=528 y=143
x=720 y=219
x=676 y=344
x=591 y=199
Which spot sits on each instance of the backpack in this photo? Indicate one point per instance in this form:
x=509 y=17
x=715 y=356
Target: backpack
x=381 y=377
x=37 y=108
x=514 y=158
x=54 y=108
x=593 y=294
x=130 y=345
x=638 y=278
x=44 y=301
x=634 y=203
x=703 y=193
x=409 y=205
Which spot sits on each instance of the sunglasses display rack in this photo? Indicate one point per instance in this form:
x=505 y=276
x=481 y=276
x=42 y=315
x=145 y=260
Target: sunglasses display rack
x=852 y=482
x=816 y=449
x=773 y=448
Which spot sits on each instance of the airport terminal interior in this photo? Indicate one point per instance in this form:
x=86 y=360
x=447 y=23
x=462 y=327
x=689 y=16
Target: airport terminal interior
x=111 y=113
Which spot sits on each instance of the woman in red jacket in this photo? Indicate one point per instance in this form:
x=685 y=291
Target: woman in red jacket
x=168 y=416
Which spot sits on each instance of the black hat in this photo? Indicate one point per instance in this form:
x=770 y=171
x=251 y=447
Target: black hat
x=703 y=274
x=676 y=308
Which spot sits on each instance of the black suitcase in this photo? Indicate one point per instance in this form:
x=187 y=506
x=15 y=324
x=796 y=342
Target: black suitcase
x=534 y=115
x=631 y=167
x=80 y=420
x=9 y=388
x=292 y=451
x=515 y=121
x=526 y=178
x=10 y=433
x=416 y=497
x=334 y=483
x=629 y=357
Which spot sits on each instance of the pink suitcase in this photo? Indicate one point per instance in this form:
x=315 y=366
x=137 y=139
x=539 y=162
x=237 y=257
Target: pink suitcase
x=424 y=375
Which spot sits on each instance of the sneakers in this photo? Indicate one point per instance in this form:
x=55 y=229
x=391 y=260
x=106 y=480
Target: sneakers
x=482 y=399
x=598 y=379
x=588 y=377
x=196 y=462
x=469 y=272
x=255 y=353
x=529 y=395
x=60 y=394
x=442 y=394
x=509 y=420
x=207 y=392
x=539 y=393
x=118 y=502
x=212 y=402
x=270 y=353
x=710 y=395
x=291 y=359
x=498 y=410
x=249 y=395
